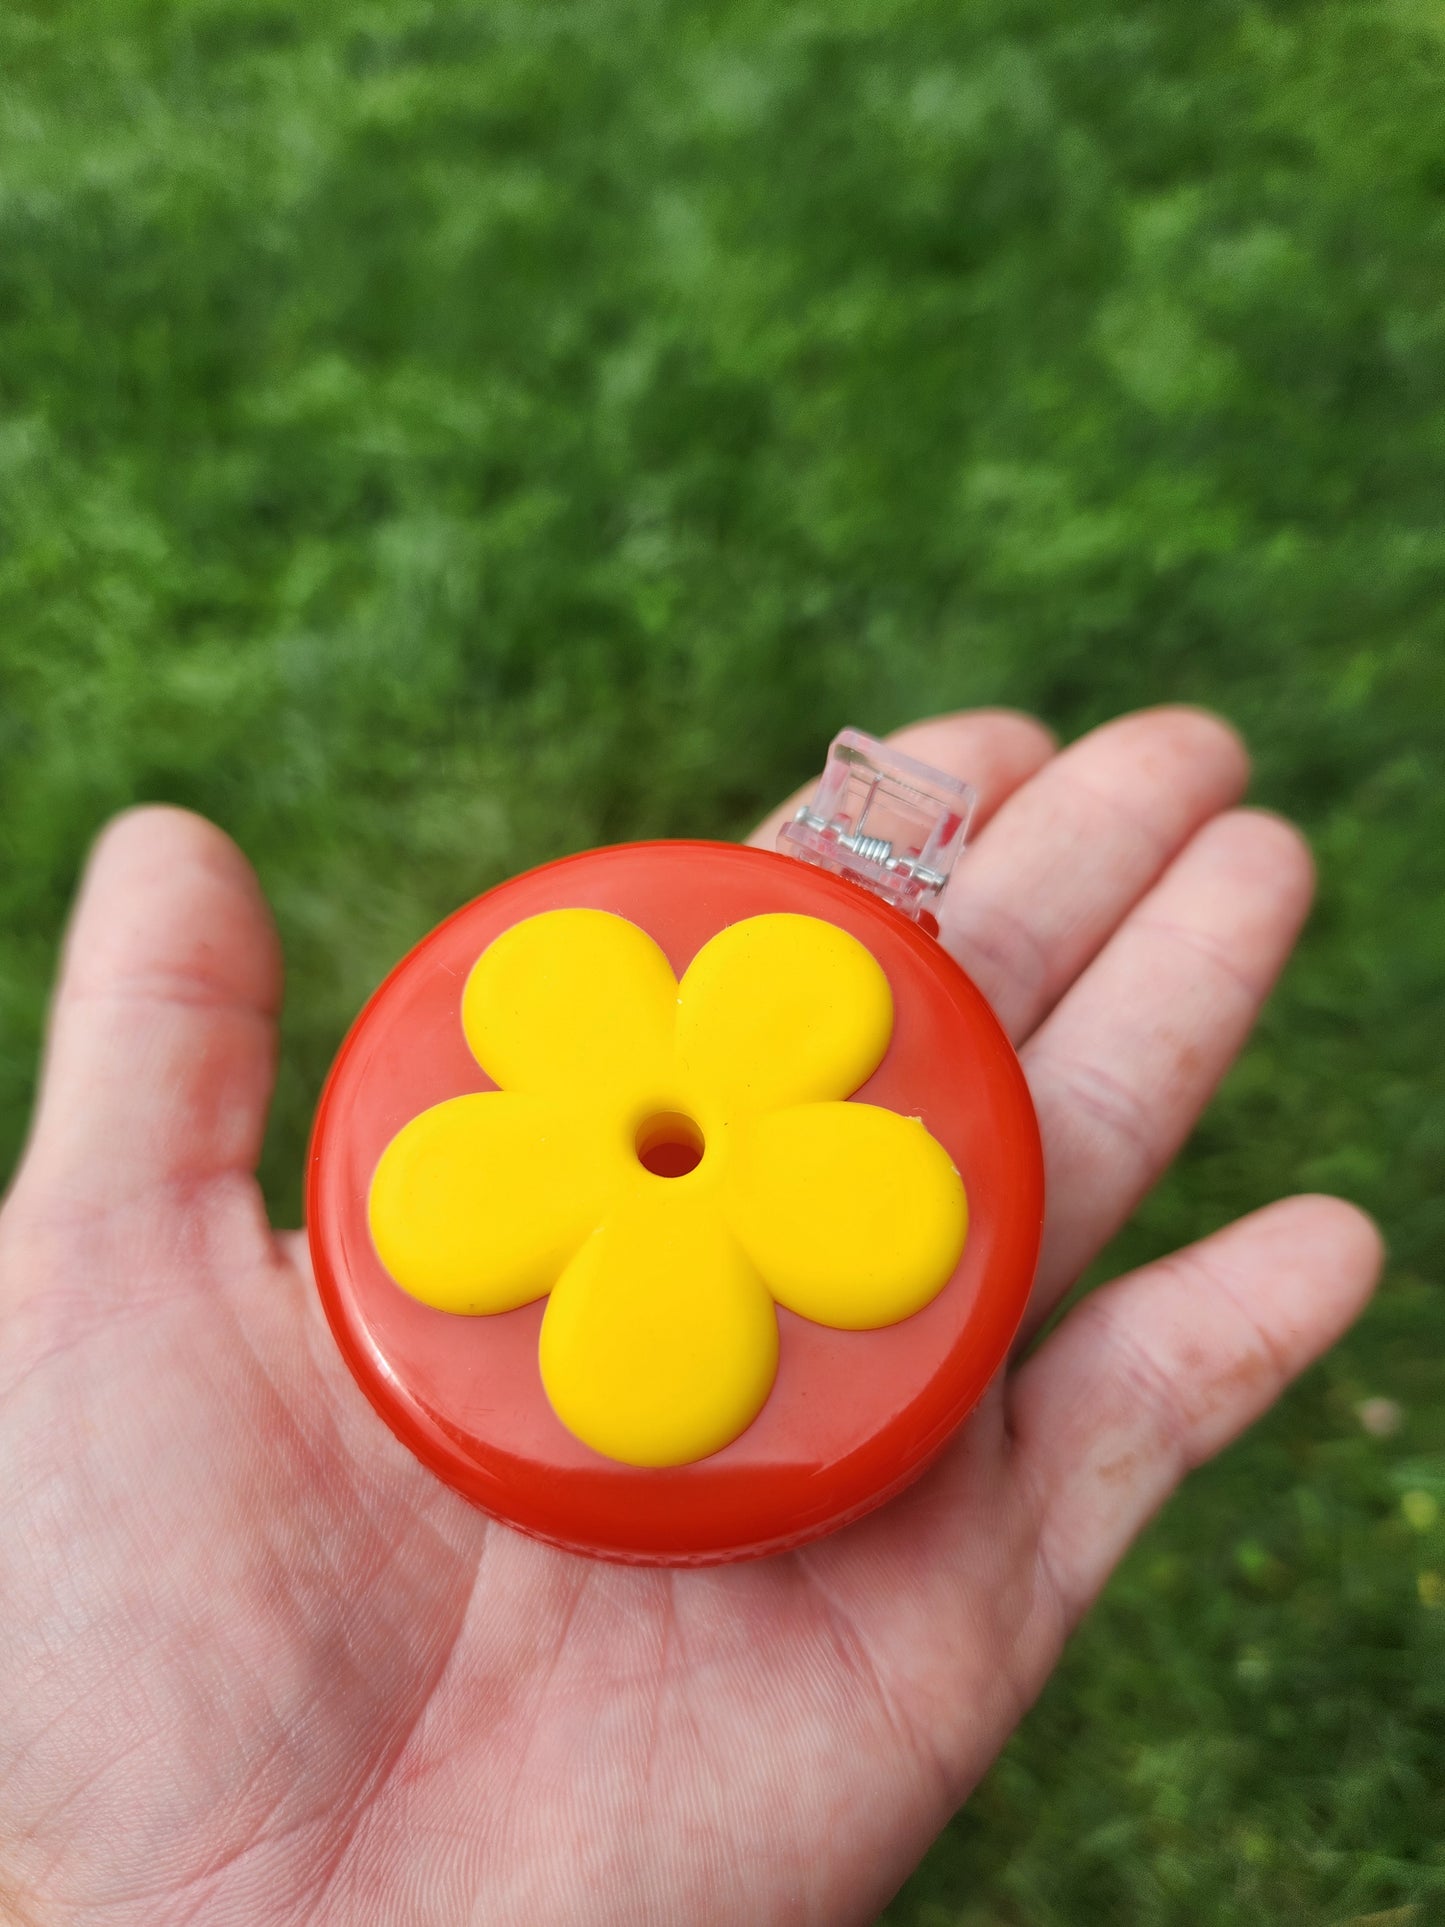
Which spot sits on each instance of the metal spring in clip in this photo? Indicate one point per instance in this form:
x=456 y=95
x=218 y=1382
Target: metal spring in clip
x=872 y=849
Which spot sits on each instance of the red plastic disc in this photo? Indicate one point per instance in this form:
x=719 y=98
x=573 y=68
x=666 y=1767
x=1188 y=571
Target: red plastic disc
x=853 y=1415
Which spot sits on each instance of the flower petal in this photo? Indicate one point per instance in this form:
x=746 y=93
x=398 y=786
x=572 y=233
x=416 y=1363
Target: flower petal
x=854 y=1216
x=781 y=1009
x=659 y=1343
x=477 y=1204
x=572 y=1003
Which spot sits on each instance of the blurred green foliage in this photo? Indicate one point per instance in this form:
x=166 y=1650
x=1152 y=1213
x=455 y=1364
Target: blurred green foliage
x=433 y=438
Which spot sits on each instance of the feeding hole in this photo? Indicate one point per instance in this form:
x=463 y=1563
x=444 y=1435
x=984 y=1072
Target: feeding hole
x=669 y=1145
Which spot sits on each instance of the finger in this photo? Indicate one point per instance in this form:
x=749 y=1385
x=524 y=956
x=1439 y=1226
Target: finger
x=1128 y=1060
x=162 y=1033
x=1157 y=1372
x=1074 y=849
x=993 y=749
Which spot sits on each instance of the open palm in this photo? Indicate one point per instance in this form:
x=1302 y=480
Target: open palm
x=257 y=1665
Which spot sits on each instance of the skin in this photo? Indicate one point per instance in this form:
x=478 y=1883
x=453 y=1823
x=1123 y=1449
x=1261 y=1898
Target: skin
x=257 y=1665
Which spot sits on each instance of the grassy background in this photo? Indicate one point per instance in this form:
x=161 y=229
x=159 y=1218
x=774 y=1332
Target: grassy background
x=433 y=438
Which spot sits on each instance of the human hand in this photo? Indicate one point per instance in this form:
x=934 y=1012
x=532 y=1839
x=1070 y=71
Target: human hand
x=258 y=1666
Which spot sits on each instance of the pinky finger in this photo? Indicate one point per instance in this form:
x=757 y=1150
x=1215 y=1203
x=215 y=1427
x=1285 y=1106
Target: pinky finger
x=1160 y=1370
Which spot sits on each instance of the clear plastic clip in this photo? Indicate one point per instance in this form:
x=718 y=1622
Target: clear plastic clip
x=883 y=820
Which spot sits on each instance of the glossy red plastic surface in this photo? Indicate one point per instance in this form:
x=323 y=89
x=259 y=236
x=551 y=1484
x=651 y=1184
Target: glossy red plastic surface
x=854 y=1415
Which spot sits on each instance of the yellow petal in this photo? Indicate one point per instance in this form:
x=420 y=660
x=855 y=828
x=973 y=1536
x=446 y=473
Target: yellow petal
x=477 y=1204
x=659 y=1343
x=781 y=1009
x=853 y=1215
x=572 y=1003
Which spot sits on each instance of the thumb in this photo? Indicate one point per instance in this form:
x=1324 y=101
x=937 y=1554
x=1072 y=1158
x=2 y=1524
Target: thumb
x=161 y=1053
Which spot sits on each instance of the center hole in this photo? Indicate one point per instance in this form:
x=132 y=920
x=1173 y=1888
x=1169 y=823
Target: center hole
x=669 y=1145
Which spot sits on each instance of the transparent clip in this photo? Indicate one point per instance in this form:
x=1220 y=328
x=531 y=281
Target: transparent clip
x=883 y=820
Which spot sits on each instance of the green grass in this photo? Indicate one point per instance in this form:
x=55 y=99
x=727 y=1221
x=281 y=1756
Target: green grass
x=433 y=438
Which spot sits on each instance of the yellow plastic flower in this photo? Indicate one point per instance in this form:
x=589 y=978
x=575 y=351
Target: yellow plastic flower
x=668 y=1160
